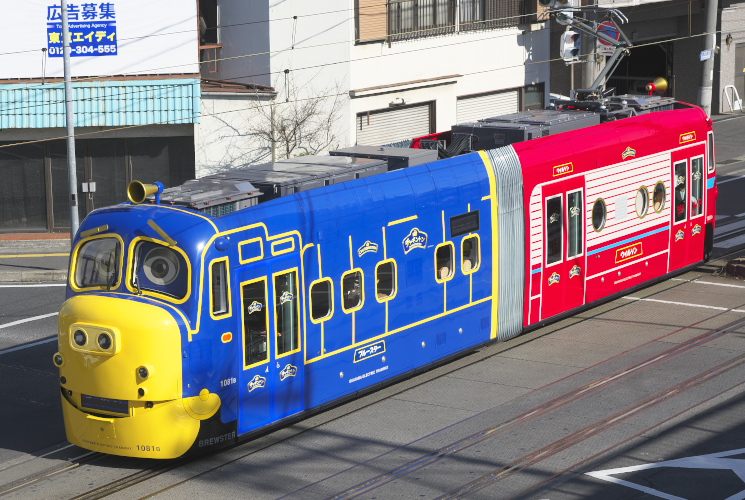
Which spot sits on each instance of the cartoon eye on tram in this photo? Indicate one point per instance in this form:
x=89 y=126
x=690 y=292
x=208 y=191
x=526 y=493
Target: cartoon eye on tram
x=203 y=314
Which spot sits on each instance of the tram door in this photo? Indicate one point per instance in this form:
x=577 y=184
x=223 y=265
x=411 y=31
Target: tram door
x=688 y=195
x=272 y=380
x=563 y=283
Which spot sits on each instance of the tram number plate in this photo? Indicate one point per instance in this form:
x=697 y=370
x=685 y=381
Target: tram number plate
x=369 y=351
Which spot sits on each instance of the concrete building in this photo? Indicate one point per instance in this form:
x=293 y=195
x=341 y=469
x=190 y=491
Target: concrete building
x=386 y=70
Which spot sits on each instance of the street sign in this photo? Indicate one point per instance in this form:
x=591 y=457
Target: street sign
x=604 y=47
x=705 y=54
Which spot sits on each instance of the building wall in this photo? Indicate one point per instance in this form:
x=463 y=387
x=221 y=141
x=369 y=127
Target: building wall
x=473 y=62
x=227 y=137
x=732 y=20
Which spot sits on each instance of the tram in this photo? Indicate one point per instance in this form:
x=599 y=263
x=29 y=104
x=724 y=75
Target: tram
x=204 y=314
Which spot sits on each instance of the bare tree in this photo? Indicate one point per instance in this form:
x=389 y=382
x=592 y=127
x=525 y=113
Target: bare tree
x=301 y=123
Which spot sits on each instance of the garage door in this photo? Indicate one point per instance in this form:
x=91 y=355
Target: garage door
x=380 y=127
x=476 y=107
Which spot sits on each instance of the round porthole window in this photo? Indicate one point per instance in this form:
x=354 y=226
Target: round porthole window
x=659 y=196
x=598 y=215
x=642 y=202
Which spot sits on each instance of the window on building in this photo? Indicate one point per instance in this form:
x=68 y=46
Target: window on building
x=208 y=22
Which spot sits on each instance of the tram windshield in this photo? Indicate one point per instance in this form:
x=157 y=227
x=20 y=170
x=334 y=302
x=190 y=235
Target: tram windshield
x=98 y=262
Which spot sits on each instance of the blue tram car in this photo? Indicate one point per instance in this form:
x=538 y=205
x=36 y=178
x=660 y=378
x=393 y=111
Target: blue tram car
x=242 y=300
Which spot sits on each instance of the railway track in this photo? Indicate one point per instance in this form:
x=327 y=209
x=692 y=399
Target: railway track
x=203 y=466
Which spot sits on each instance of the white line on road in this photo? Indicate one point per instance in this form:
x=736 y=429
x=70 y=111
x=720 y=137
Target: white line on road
x=685 y=304
x=731 y=242
x=34 y=285
x=14 y=323
x=738 y=178
x=26 y=346
x=719 y=284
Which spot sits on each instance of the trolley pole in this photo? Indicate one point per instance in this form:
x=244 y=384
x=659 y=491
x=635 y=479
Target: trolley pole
x=707 y=71
x=70 y=120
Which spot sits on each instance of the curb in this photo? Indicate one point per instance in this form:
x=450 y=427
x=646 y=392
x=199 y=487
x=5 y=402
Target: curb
x=55 y=276
x=55 y=244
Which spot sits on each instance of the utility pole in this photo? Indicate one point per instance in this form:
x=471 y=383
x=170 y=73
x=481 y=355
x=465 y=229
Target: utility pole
x=707 y=72
x=70 y=119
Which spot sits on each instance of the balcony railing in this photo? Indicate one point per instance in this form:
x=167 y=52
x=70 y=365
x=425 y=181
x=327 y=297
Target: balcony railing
x=408 y=19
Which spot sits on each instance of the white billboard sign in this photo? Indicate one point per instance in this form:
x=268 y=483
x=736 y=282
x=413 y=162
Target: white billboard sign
x=119 y=37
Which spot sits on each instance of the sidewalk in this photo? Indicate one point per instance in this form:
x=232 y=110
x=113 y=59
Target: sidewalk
x=36 y=258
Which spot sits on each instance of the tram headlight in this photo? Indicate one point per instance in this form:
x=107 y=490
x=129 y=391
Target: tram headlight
x=58 y=359
x=105 y=342
x=80 y=338
x=143 y=372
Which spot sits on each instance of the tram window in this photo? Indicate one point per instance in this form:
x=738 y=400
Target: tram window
x=659 y=197
x=287 y=312
x=385 y=280
x=680 y=191
x=471 y=254
x=352 y=290
x=574 y=224
x=554 y=230
x=598 y=215
x=219 y=275
x=642 y=202
x=697 y=186
x=321 y=300
x=255 y=320
x=444 y=262
x=712 y=164
x=97 y=263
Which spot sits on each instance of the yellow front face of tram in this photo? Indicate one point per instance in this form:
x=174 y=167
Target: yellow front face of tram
x=120 y=361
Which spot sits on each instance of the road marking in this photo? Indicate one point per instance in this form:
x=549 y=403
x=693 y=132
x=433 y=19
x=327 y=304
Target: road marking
x=740 y=215
x=720 y=217
x=719 y=284
x=685 y=304
x=713 y=461
x=732 y=179
x=34 y=285
x=26 y=346
x=728 y=228
x=732 y=242
x=35 y=255
x=20 y=321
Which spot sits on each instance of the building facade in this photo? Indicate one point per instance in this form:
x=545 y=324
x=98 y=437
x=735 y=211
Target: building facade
x=386 y=71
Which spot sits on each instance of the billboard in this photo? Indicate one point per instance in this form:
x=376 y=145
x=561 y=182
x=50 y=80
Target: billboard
x=119 y=37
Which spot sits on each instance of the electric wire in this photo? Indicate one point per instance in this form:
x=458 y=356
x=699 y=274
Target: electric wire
x=199 y=115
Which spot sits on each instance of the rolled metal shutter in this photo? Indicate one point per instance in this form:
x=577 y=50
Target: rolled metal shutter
x=472 y=108
x=511 y=220
x=384 y=127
